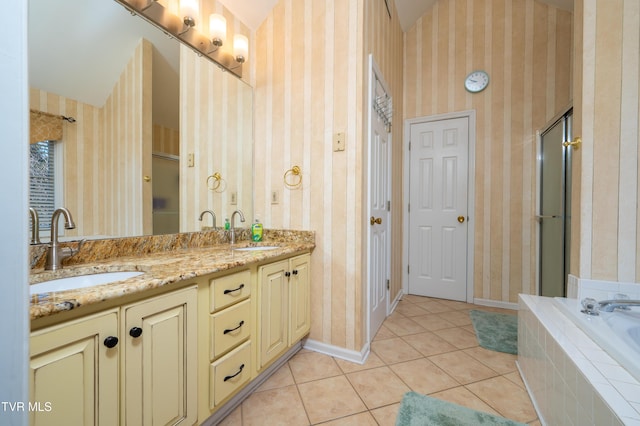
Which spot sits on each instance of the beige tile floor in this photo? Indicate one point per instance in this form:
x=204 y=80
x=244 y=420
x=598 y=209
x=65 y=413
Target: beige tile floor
x=427 y=345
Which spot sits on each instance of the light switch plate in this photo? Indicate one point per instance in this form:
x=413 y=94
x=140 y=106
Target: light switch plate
x=275 y=197
x=234 y=198
x=190 y=159
x=338 y=141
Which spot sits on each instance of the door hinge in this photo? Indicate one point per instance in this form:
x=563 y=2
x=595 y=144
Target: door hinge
x=409 y=207
x=388 y=206
x=408 y=269
x=388 y=286
x=409 y=145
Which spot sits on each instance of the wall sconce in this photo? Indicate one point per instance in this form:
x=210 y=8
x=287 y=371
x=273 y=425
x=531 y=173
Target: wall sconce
x=182 y=27
x=240 y=47
x=217 y=30
x=189 y=12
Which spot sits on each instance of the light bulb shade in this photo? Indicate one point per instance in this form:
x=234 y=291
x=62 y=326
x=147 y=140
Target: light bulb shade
x=217 y=29
x=240 y=47
x=189 y=11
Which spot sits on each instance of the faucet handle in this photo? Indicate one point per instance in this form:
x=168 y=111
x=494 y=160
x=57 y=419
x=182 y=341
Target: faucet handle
x=69 y=252
x=590 y=306
x=77 y=249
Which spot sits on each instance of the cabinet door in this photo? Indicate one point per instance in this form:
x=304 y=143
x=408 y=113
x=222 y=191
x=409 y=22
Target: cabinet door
x=300 y=299
x=159 y=366
x=73 y=376
x=274 y=310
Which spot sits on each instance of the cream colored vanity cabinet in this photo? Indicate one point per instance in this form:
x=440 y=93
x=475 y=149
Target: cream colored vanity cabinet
x=73 y=372
x=159 y=360
x=230 y=324
x=284 y=300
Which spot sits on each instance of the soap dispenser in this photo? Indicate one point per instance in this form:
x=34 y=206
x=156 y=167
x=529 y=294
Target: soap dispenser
x=256 y=231
x=227 y=224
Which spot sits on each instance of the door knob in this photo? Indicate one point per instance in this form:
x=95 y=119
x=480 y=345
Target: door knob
x=461 y=219
x=374 y=220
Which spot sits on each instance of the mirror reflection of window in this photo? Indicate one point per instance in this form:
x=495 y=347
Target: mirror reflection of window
x=44 y=169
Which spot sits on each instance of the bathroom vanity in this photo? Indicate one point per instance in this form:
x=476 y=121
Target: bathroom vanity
x=182 y=343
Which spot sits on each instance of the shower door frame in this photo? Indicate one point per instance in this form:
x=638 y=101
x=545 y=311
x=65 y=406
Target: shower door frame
x=566 y=117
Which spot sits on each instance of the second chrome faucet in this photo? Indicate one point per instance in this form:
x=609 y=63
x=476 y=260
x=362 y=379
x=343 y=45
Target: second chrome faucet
x=232 y=231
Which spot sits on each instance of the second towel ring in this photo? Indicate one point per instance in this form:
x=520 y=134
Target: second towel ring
x=293 y=177
x=215 y=183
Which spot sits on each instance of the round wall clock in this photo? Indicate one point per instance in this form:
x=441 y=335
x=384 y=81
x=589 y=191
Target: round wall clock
x=476 y=81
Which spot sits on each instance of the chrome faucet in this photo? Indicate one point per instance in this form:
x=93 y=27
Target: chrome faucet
x=610 y=305
x=35 y=226
x=55 y=253
x=213 y=215
x=232 y=233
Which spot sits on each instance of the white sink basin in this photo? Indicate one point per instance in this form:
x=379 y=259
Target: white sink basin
x=256 y=248
x=81 y=281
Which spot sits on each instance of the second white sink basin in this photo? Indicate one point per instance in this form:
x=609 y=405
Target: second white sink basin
x=256 y=248
x=81 y=281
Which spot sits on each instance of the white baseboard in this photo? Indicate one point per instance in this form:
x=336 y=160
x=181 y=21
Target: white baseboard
x=496 y=304
x=394 y=303
x=338 y=352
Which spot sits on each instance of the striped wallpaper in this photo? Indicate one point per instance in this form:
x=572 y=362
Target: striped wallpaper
x=166 y=140
x=103 y=152
x=311 y=67
x=526 y=47
x=216 y=117
x=216 y=126
x=79 y=140
x=126 y=149
x=608 y=112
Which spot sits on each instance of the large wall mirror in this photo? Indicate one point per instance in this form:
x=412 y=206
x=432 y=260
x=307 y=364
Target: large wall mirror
x=153 y=123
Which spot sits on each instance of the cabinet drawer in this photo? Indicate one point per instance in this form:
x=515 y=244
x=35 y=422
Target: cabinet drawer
x=229 y=374
x=230 y=327
x=227 y=290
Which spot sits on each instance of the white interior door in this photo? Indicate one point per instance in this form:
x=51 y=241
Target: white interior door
x=378 y=220
x=438 y=208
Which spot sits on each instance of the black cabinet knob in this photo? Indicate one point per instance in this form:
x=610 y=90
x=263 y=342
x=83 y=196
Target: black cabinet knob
x=111 y=342
x=135 y=332
x=295 y=272
x=287 y=274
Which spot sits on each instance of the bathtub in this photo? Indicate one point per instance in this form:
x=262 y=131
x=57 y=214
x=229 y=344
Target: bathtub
x=618 y=333
x=572 y=366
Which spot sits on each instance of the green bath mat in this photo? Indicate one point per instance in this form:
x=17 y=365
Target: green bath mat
x=420 y=410
x=497 y=332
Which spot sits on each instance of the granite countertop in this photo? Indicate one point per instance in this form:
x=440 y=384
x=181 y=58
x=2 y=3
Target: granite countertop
x=159 y=269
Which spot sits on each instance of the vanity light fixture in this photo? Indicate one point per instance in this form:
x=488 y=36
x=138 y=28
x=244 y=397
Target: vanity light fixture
x=189 y=12
x=217 y=30
x=183 y=25
x=240 y=47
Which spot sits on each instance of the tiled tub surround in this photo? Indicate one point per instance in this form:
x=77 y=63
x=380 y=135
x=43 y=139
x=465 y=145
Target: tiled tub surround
x=164 y=259
x=571 y=380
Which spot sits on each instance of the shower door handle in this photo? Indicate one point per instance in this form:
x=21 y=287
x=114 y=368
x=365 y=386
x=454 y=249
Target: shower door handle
x=554 y=216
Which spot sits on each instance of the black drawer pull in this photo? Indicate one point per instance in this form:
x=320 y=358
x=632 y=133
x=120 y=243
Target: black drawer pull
x=239 y=371
x=229 y=330
x=235 y=289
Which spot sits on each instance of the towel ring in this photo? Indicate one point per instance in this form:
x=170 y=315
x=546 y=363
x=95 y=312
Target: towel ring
x=293 y=177
x=215 y=183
